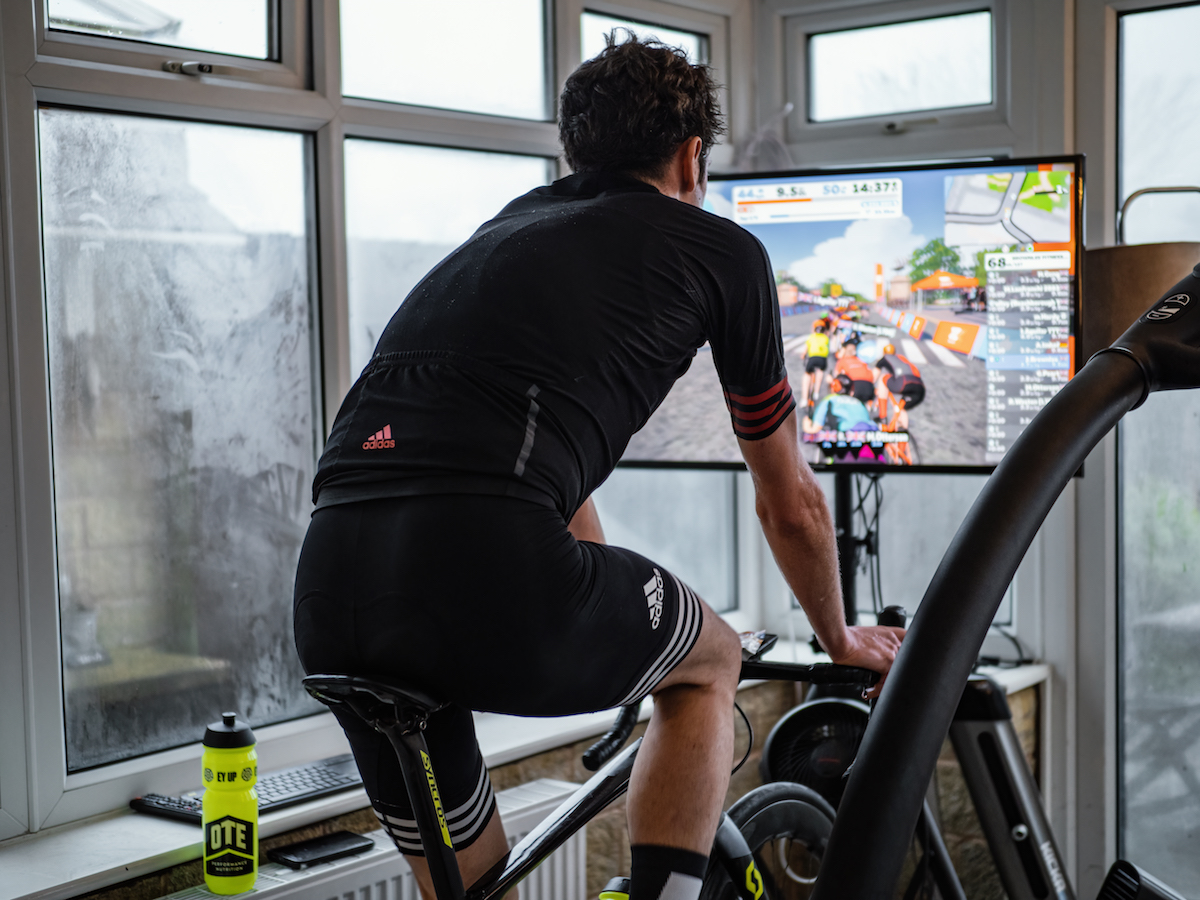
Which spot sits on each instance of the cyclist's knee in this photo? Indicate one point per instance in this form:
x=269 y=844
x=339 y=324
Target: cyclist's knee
x=714 y=661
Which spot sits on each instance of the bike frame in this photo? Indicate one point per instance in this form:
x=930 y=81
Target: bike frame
x=1160 y=351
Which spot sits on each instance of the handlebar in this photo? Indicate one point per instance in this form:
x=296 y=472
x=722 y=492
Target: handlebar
x=604 y=749
x=817 y=673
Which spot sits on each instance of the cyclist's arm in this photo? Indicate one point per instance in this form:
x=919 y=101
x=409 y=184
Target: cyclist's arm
x=799 y=530
x=585 y=524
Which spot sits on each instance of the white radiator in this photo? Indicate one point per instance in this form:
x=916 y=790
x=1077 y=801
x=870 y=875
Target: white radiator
x=382 y=874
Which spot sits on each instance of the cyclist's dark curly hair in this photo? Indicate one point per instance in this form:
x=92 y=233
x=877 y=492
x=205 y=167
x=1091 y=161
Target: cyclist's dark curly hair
x=628 y=109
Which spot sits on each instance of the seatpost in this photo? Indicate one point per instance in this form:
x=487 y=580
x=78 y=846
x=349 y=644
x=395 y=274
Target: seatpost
x=407 y=738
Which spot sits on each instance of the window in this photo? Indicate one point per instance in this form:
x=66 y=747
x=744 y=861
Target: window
x=397 y=50
x=167 y=255
x=1159 y=480
x=236 y=27
x=177 y=260
x=939 y=79
x=902 y=68
x=1156 y=119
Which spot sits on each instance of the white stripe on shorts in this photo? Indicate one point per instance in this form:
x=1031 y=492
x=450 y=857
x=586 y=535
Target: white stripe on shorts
x=465 y=822
x=687 y=629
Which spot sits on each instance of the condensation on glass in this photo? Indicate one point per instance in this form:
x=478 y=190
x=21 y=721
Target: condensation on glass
x=683 y=519
x=407 y=207
x=183 y=434
x=594 y=29
x=1159 y=528
x=1159 y=479
x=484 y=56
x=927 y=64
x=234 y=27
x=1160 y=122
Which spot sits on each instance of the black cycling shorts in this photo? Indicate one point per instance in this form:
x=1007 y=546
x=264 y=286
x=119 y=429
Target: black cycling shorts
x=490 y=604
x=813 y=363
x=863 y=391
x=910 y=387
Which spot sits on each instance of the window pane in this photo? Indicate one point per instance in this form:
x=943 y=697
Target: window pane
x=486 y=56
x=182 y=371
x=684 y=520
x=906 y=67
x=408 y=206
x=1160 y=631
x=1160 y=123
x=236 y=27
x=1159 y=499
x=595 y=27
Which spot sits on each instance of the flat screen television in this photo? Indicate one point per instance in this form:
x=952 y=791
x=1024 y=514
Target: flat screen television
x=954 y=287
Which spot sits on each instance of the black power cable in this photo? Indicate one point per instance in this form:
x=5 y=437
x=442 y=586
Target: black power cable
x=868 y=490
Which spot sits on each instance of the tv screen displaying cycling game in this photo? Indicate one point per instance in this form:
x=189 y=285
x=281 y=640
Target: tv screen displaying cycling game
x=928 y=312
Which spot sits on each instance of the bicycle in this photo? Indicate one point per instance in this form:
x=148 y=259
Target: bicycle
x=767 y=847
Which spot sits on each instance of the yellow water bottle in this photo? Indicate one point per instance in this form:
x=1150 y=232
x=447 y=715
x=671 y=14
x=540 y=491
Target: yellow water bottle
x=230 y=806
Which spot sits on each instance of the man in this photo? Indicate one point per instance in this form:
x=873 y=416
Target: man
x=839 y=411
x=861 y=379
x=455 y=545
x=897 y=379
x=816 y=361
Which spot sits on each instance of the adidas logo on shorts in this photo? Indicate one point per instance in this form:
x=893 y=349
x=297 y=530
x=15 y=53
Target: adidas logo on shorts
x=654 y=598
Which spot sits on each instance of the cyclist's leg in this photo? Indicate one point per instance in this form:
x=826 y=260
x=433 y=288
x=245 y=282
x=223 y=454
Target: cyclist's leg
x=336 y=600
x=473 y=861
x=539 y=624
x=682 y=770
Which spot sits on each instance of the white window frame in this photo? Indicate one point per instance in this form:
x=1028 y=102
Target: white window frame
x=120 y=55
x=1023 y=119
x=299 y=92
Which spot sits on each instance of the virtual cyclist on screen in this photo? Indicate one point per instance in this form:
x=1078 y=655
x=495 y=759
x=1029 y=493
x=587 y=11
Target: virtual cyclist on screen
x=839 y=411
x=816 y=360
x=463 y=554
x=860 y=378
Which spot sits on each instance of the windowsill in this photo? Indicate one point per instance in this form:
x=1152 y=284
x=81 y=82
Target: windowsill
x=73 y=859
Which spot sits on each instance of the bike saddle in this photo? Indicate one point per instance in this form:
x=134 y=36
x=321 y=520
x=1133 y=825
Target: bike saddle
x=375 y=702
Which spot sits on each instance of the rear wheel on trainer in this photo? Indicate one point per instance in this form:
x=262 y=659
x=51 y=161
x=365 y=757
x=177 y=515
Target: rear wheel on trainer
x=787 y=827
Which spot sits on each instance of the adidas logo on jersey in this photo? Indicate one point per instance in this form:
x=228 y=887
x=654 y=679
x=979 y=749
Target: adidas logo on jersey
x=654 y=598
x=380 y=440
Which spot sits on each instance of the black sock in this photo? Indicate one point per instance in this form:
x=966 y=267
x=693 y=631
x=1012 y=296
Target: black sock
x=665 y=873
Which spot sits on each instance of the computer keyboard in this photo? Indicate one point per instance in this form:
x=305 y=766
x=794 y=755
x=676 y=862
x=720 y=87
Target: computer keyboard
x=276 y=790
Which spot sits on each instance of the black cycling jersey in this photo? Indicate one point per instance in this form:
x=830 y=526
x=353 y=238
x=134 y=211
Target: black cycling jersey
x=522 y=364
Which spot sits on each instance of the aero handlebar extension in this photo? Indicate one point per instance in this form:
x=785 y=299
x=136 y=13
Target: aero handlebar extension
x=1160 y=351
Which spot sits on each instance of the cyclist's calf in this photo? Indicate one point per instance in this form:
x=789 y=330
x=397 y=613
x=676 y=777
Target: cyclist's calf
x=682 y=770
